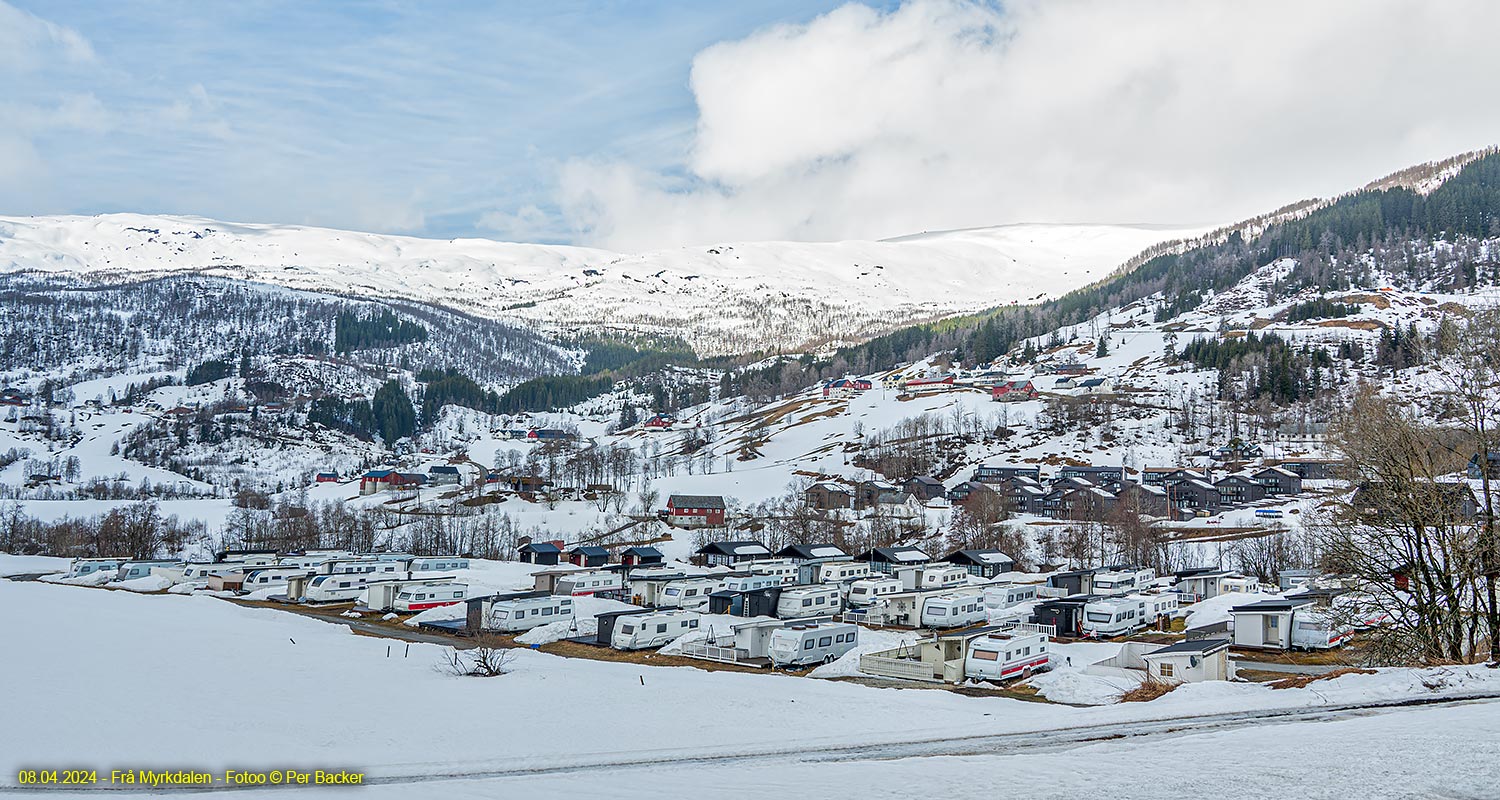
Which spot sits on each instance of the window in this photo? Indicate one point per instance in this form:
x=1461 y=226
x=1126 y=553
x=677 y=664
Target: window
x=806 y=601
x=692 y=623
x=826 y=641
x=986 y=655
x=627 y=629
x=662 y=628
x=1166 y=670
x=1026 y=652
x=1273 y=622
x=808 y=645
x=520 y=612
x=547 y=612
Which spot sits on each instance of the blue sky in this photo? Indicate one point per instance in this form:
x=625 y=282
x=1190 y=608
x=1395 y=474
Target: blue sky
x=638 y=125
x=443 y=119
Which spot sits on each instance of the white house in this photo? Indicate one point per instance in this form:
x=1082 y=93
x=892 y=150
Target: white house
x=1190 y=661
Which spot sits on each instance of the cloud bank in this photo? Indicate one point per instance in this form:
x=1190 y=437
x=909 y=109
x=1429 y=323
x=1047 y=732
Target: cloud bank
x=946 y=114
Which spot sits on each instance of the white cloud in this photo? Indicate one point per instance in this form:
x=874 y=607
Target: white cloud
x=28 y=41
x=945 y=114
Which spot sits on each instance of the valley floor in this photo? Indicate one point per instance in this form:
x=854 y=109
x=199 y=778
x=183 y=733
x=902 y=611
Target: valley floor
x=105 y=680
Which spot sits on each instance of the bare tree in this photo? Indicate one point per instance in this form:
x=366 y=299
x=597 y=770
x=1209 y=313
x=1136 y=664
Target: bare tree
x=486 y=659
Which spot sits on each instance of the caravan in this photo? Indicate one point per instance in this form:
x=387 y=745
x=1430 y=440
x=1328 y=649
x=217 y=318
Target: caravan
x=89 y=566
x=270 y=576
x=750 y=583
x=526 y=611
x=130 y=570
x=840 y=571
x=1317 y=629
x=932 y=576
x=336 y=588
x=1116 y=616
x=1001 y=597
x=808 y=601
x=360 y=566
x=1006 y=654
x=811 y=643
x=582 y=584
x=636 y=632
x=783 y=569
x=201 y=571
x=869 y=591
x=437 y=564
x=432 y=595
x=691 y=593
x=952 y=611
x=1123 y=581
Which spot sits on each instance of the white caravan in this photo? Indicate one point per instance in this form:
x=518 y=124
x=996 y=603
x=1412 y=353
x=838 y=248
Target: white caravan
x=932 y=576
x=811 y=643
x=999 y=598
x=1116 y=616
x=89 y=566
x=691 y=593
x=749 y=583
x=130 y=570
x=639 y=631
x=784 y=569
x=869 y=591
x=431 y=595
x=336 y=588
x=1123 y=582
x=1005 y=655
x=582 y=584
x=953 y=611
x=840 y=571
x=270 y=576
x=360 y=566
x=437 y=564
x=517 y=614
x=808 y=601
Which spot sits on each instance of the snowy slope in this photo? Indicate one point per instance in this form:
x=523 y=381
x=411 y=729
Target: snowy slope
x=724 y=298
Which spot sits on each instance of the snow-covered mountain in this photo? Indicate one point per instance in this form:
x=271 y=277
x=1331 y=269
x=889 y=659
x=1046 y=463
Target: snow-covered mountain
x=727 y=298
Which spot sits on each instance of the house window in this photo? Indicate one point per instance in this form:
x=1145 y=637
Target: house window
x=1167 y=670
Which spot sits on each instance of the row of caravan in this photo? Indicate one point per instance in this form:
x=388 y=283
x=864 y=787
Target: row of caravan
x=270 y=567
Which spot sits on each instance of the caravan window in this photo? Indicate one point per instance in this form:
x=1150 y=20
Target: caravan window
x=627 y=629
x=986 y=655
x=692 y=623
x=673 y=592
x=808 y=645
x=826 y=641
x=807 y=601
x=662 y=628
x=1095 y=616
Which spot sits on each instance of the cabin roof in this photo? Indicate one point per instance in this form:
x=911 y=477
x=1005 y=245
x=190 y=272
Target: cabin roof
x=740 y=548
x=696 y=501
x=811 y=551
x=1267 y=606
x=1193 y=646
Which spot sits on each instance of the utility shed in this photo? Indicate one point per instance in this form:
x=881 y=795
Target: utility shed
x=1190 y=662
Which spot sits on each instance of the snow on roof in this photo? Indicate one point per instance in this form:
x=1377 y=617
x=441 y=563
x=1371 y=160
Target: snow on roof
x=826 y=552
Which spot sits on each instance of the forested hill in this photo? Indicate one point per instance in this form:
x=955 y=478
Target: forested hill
x=1334 y=246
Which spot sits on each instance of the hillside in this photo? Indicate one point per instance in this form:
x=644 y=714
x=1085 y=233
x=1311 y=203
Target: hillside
x=723 y=299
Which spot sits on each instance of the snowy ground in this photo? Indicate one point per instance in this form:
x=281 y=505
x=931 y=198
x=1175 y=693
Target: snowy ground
x=213 y=685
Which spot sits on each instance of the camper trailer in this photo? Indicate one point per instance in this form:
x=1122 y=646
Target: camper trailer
x=336 y=588
x=808 y=601
x=401 y=557
x=1116 y=616
x=953 y=611
x=360 y=566
x=783 y=568
x=868 y=591
x=932 y=576
x=1004 y=655
x=750 y=583
x=432 y=595
x=999 y=598
x=811 y=643
x=130 y=570
x=1123 y=581
x=270 y=576
x=691 y=593
x=309 y=561
x=582 y=584
x=839 y=571
x=652 y=630
x=200 y=572
x=437 y=564
x=525 y=611
x=1316 y=629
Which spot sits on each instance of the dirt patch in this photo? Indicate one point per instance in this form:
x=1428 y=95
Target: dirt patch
x=1353 y=324
x=1377 y=300
x=1301 y=681
x=1146 y=692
